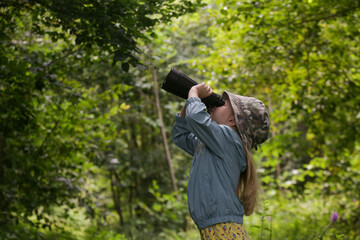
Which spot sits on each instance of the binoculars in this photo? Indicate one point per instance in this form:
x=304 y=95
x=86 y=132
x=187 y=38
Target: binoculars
x=179 y=84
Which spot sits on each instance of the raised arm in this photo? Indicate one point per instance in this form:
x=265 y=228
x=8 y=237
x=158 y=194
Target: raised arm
x=199 y=122
x=181 y=135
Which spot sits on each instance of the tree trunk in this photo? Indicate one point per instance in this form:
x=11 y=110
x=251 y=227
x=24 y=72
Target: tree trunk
x=116 y=196
x=162 y=127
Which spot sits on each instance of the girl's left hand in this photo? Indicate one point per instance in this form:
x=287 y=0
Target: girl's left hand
x=201 y=90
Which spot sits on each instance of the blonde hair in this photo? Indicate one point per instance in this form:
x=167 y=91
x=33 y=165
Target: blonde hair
x=248 y=186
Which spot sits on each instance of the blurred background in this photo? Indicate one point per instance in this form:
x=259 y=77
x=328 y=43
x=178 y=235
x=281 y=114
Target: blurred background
x=85 y=129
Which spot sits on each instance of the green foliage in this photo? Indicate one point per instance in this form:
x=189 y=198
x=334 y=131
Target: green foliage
x=167 y=212
x=108 y=234
x=113 y=26
x=61 y=101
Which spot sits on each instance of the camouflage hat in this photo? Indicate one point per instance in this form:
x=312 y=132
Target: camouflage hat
x=252 y=119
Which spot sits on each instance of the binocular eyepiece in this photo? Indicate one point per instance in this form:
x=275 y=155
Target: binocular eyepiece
x=179 y=84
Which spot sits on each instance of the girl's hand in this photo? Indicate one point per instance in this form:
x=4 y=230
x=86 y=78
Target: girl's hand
x=201 y=90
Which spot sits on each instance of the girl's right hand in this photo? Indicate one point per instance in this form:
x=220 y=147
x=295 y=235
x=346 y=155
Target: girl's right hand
x=201 y=90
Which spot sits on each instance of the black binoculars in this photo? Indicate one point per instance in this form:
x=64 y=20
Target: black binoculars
x=179 y=84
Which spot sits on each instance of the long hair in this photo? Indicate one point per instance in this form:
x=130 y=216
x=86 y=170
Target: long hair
x=248 y=186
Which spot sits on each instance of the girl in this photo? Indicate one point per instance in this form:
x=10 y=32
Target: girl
x=223 y=185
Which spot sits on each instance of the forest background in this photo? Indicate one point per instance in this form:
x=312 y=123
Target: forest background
x=85 y=130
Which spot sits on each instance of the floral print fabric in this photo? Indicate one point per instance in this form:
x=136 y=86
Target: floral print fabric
x=220 y=231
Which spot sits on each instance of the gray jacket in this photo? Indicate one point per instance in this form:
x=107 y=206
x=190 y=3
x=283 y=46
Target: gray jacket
x=215 y=168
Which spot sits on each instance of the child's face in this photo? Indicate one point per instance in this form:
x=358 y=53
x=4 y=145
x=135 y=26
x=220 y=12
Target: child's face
x=222 y=114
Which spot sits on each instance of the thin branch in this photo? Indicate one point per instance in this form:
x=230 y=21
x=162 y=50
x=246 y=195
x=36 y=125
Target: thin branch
x=160 y=117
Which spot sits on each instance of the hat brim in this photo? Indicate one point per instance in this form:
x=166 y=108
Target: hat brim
x=240 y=118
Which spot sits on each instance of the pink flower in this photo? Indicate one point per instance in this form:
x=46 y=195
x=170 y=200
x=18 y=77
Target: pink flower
x=334 y=217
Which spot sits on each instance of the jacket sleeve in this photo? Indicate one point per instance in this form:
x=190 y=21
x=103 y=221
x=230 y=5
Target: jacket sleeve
x=203 y=127
x=182 y=137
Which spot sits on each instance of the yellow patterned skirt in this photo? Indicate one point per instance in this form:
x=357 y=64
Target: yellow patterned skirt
x=220 y=231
